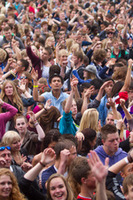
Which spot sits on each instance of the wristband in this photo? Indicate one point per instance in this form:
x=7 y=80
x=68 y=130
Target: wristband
x=45 y=109
x=130 y=160
x=126 y=160
x=129 y=66
x=42 y=164
x=35 y=86
x=36 y=124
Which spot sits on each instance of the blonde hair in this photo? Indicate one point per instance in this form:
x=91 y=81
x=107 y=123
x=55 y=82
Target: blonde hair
x=9 y=137
x=69 y=43
x=15 y=192
x=74 y=47
x=89 y=119
x=63 y=52
x=15 y=97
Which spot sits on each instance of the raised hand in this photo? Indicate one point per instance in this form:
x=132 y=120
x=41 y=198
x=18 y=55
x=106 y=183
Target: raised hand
x=48 y=156
x=99 y=170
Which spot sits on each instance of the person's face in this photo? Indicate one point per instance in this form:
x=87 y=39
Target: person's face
x=31 y=15
x=19 y=67
x=75 y=60
x=108 y=53
x=111 y=143
x=16 y=145
x=110 y=119
x=130 y=95
x=128 y=169
x=9 y=89
x=5 y=186
x=110 y=35
x=90 y=181
x=129 y=196
x=8 y=34
x=45 y=27
x=108 y=88
x=72 y=156
x=21 y=125
x=24 y=79
x=63 y=60
x=58 y=189
x=85 y=74
x=56 y=83
x=116 y=45
x=6 y=155
x=74 y=107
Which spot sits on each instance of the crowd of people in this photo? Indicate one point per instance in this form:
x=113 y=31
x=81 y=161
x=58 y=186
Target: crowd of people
x=66 y=99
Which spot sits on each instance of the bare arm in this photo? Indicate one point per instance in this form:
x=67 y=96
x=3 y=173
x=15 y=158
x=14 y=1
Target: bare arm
x=48 y=156
x=36 y=97
x=127 y=114
x=100 y=172
x=128 y=77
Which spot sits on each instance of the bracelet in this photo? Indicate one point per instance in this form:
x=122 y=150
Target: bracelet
x=129 y=157
x=35 y=124
x=129 y=66
x=35 y=86
x=45 y=109
x=42 y=164
x=126 y=160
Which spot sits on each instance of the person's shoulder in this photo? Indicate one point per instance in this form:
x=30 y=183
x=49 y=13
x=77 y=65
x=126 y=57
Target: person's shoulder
x=121 y=153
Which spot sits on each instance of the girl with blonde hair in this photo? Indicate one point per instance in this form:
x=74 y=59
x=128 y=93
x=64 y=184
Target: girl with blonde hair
x=89 y=120
x=10 y=95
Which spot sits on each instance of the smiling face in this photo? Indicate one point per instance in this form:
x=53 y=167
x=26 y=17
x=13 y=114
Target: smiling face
x=16 y=145
x=5 y=186
x=58 y=189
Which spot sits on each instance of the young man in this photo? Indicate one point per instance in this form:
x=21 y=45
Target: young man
x=65 y=153
x=90 y=175
x=110 y=147
x=56 y=95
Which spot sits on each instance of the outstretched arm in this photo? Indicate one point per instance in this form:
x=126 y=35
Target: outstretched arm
x=100 y=172
x=48 y=156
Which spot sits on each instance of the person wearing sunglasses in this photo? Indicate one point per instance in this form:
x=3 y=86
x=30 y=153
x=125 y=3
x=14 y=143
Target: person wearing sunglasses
x=6 y=159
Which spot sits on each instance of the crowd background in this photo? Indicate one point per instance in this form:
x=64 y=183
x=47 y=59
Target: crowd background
x=66 y=82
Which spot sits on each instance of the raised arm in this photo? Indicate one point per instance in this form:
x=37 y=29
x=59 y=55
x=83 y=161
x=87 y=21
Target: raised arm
x=100 y=172
x=48 y=156
x=39 y=129
x=36 y=97
x=128 y=77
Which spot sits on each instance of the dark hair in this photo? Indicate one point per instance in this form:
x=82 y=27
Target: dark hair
x=84 y=86
x=61 y=145
x=25 y=64
x=97 y=83
x=107 y=129
x=89 y=135
x=116 y=88
x=80 y=169
x=52 y=136
x=55 y=75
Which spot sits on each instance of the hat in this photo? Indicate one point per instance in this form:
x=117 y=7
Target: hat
x=91 y=68
x=3 y=55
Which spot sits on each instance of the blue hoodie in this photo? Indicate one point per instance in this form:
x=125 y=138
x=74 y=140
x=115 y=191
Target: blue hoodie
x=120 y=154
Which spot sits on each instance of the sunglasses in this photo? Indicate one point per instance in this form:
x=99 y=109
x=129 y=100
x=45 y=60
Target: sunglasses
x=23 y=77
x=110 y=33
x=3 y=148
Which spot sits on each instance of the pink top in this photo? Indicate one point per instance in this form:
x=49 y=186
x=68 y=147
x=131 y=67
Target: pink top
x=4 y=117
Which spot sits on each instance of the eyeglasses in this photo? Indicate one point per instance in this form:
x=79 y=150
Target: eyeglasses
x=3 y=148
x=110 y=33
x=23 y=77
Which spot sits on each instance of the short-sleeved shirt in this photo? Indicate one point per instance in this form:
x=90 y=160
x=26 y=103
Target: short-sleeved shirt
x=54 y=101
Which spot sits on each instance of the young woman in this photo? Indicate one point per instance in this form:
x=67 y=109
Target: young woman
x=9 y=189
x=89 y=119
x=57 y=185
